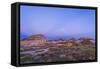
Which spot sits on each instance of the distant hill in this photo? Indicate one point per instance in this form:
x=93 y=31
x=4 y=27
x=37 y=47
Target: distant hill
x=34 y=40
x=35 y=37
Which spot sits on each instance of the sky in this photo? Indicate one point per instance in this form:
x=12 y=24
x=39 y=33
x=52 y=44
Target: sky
x=56 y=23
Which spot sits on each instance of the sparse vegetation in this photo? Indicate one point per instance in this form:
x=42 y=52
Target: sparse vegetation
x=52 y=52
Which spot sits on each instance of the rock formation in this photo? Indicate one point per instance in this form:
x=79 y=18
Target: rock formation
x=34 y=40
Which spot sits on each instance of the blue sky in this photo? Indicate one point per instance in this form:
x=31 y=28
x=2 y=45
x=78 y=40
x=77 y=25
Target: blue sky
x=56 y=23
